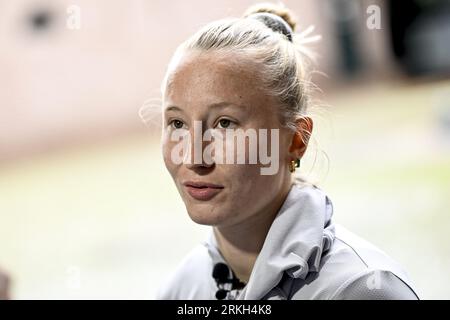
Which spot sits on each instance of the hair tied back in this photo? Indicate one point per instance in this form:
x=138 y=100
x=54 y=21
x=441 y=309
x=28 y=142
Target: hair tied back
x=274 y=22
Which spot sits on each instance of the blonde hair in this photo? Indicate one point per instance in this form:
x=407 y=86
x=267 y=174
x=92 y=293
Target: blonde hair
x=284 y=64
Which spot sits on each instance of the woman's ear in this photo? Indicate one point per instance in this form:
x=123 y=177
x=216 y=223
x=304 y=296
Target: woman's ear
x=301 y=137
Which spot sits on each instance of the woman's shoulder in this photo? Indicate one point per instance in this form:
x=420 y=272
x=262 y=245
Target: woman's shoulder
x=355 y=269
x=187 y=281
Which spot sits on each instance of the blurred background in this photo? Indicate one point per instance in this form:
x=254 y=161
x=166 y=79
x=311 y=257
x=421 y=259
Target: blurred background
x=87 y=209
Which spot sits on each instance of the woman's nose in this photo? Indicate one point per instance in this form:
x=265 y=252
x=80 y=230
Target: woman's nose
x=198 y=157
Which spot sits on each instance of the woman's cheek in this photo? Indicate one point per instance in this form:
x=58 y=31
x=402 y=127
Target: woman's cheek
x=167 y=152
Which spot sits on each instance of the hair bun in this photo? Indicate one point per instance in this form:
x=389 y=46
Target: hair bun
x=278 y=10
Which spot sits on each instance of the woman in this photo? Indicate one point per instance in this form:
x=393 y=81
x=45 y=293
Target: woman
x=272 y=234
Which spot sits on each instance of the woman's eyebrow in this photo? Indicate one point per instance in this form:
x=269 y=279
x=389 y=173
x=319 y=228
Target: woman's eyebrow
x=216 y=105
x=173 y=108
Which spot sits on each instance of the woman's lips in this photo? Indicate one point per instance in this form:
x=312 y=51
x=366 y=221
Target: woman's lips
x=201 y=190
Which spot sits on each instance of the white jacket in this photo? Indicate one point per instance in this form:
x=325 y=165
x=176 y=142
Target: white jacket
x=304 y=256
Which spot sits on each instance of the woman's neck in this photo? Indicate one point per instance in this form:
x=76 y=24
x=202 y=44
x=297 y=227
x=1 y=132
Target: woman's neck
x=241 y=244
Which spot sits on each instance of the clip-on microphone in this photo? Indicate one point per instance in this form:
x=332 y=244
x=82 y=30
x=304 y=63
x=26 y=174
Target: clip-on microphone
x=221 y=274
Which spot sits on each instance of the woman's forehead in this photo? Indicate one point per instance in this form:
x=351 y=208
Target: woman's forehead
x=199 y=75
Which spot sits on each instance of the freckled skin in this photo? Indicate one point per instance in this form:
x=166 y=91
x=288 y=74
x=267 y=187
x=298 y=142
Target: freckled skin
x=201 y=79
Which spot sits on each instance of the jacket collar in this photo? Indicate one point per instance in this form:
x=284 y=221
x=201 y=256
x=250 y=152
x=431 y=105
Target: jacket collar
x=301 y=232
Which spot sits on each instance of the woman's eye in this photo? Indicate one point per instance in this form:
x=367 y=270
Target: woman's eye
x=177 y=124
x=224 y=123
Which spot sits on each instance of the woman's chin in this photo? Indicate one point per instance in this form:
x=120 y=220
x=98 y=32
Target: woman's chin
x=206 y=217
